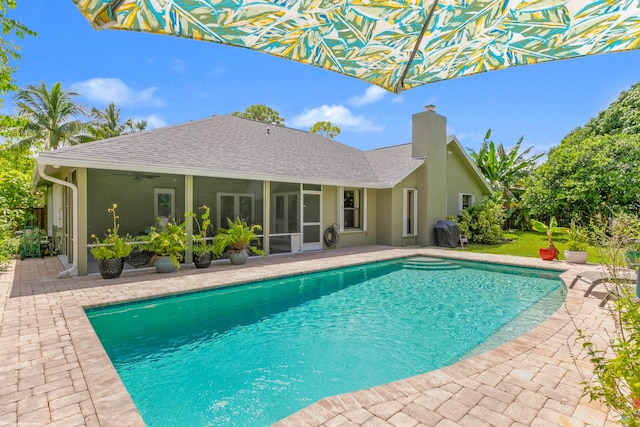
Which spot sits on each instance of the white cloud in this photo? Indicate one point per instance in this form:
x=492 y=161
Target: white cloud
x=371 y=95
x=153 y=121
x=336 y=114
x=103 y=91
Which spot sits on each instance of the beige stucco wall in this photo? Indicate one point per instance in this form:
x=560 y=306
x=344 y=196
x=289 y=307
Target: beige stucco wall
x=384 y=202
x=390 y=213
x=461 y=178
x=330 y=216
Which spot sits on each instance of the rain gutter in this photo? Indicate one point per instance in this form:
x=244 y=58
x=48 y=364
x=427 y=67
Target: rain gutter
x=73 y=270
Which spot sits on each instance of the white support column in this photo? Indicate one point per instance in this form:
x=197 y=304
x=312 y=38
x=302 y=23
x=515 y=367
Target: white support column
x=266 y=215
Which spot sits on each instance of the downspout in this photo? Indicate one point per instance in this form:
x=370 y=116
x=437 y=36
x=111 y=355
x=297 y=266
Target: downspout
x=73 y=270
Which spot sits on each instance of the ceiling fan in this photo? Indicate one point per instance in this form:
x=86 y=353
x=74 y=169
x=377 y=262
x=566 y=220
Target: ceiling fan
x=138 y=176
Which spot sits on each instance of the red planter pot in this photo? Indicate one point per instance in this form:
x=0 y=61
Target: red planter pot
x=548 y=254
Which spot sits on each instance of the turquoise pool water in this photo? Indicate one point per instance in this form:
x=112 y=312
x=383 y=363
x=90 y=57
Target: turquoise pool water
x=250 y=355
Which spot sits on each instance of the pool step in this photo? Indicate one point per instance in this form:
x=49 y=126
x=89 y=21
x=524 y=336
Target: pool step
x=429 y=264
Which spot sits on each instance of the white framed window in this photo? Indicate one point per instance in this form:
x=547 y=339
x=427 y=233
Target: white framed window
x=353 y=204
x=164 y=205
x=409 y=212
x=232 y=205
x=465 y=201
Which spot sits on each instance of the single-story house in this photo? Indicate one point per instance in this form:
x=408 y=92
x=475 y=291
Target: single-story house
x=294 y=183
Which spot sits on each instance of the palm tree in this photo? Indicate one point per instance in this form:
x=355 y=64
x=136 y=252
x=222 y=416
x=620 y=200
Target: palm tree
x=107 y=124
x=51 y=117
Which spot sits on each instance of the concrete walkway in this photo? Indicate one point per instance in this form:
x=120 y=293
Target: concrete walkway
x=54 y=371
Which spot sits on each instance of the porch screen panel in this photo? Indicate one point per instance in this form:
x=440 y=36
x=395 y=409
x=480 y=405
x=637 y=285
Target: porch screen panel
x=227 y=209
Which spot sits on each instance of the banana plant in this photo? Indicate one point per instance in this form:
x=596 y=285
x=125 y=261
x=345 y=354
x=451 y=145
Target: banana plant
x=549 y=229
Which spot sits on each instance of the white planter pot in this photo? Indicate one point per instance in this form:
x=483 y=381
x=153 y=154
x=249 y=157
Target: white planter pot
x=576 y=257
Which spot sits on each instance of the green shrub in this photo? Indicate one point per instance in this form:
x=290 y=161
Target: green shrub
x=482 y=222
x=9 y=243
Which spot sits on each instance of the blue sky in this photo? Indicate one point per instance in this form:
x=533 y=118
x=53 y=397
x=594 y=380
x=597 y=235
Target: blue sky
x=167 y=80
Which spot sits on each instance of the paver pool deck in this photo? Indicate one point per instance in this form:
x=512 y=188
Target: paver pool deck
x=54 y=371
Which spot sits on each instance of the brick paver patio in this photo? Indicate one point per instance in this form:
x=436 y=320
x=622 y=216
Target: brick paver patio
x=53 y=370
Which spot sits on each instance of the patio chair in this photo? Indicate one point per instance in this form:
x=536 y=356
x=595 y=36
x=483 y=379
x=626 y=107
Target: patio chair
x=595 y=278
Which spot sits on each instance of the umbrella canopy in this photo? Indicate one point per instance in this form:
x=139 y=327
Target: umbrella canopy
x=393 y=44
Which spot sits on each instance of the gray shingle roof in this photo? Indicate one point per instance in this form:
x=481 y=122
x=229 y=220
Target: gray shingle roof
x=233 y=146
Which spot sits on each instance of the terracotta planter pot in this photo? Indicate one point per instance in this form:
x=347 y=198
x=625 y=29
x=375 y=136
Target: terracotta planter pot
x=548 y=254
x=110 y=268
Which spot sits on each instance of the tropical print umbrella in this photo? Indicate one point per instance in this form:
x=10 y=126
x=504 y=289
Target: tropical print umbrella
x=397 y=44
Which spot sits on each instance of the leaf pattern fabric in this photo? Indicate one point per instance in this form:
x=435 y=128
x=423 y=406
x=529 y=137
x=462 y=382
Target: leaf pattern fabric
x=375 y=40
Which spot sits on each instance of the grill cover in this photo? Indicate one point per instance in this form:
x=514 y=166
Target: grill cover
x=447 y=234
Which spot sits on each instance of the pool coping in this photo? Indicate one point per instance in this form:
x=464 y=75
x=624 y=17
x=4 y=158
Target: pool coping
x=457 y=394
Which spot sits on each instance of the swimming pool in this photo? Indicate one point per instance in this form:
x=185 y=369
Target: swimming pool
x=250 y=355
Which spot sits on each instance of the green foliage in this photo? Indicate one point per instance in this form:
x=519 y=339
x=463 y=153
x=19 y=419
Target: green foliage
x=504 y=168
x=15 y=195
x=107 y=124
x=549 y=229
x=261 y=113
x=8 y=49
x=576 y=238
x=113 y=245
x=169 y=241
x=325 y=129
x=9 y=243
x=621 y=117
x=482 y=222
x=237 y=237
x=596 y=168
x=616 y=235
x=587 y=177
x=616 y=365
x=199 y=243
x=51 y=117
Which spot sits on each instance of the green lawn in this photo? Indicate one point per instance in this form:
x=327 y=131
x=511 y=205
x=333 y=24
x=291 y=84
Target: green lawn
x=525 y=243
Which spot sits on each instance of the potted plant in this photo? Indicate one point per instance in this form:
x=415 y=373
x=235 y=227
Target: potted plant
x=111 y=252
x=577 y=245
x=550 y=252
x=168 y=244
x=201 y=250
x=236 y=240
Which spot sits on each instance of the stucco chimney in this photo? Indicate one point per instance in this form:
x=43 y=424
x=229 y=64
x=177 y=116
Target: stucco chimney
x=429 y=141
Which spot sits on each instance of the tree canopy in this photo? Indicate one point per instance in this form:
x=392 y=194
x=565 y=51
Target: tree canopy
x=595 y=169
x=325 y=128
x=51 y=116
x=261 y=113
x=8 y=49
x=621 y=117
x=107 y=124
x=587 y=176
